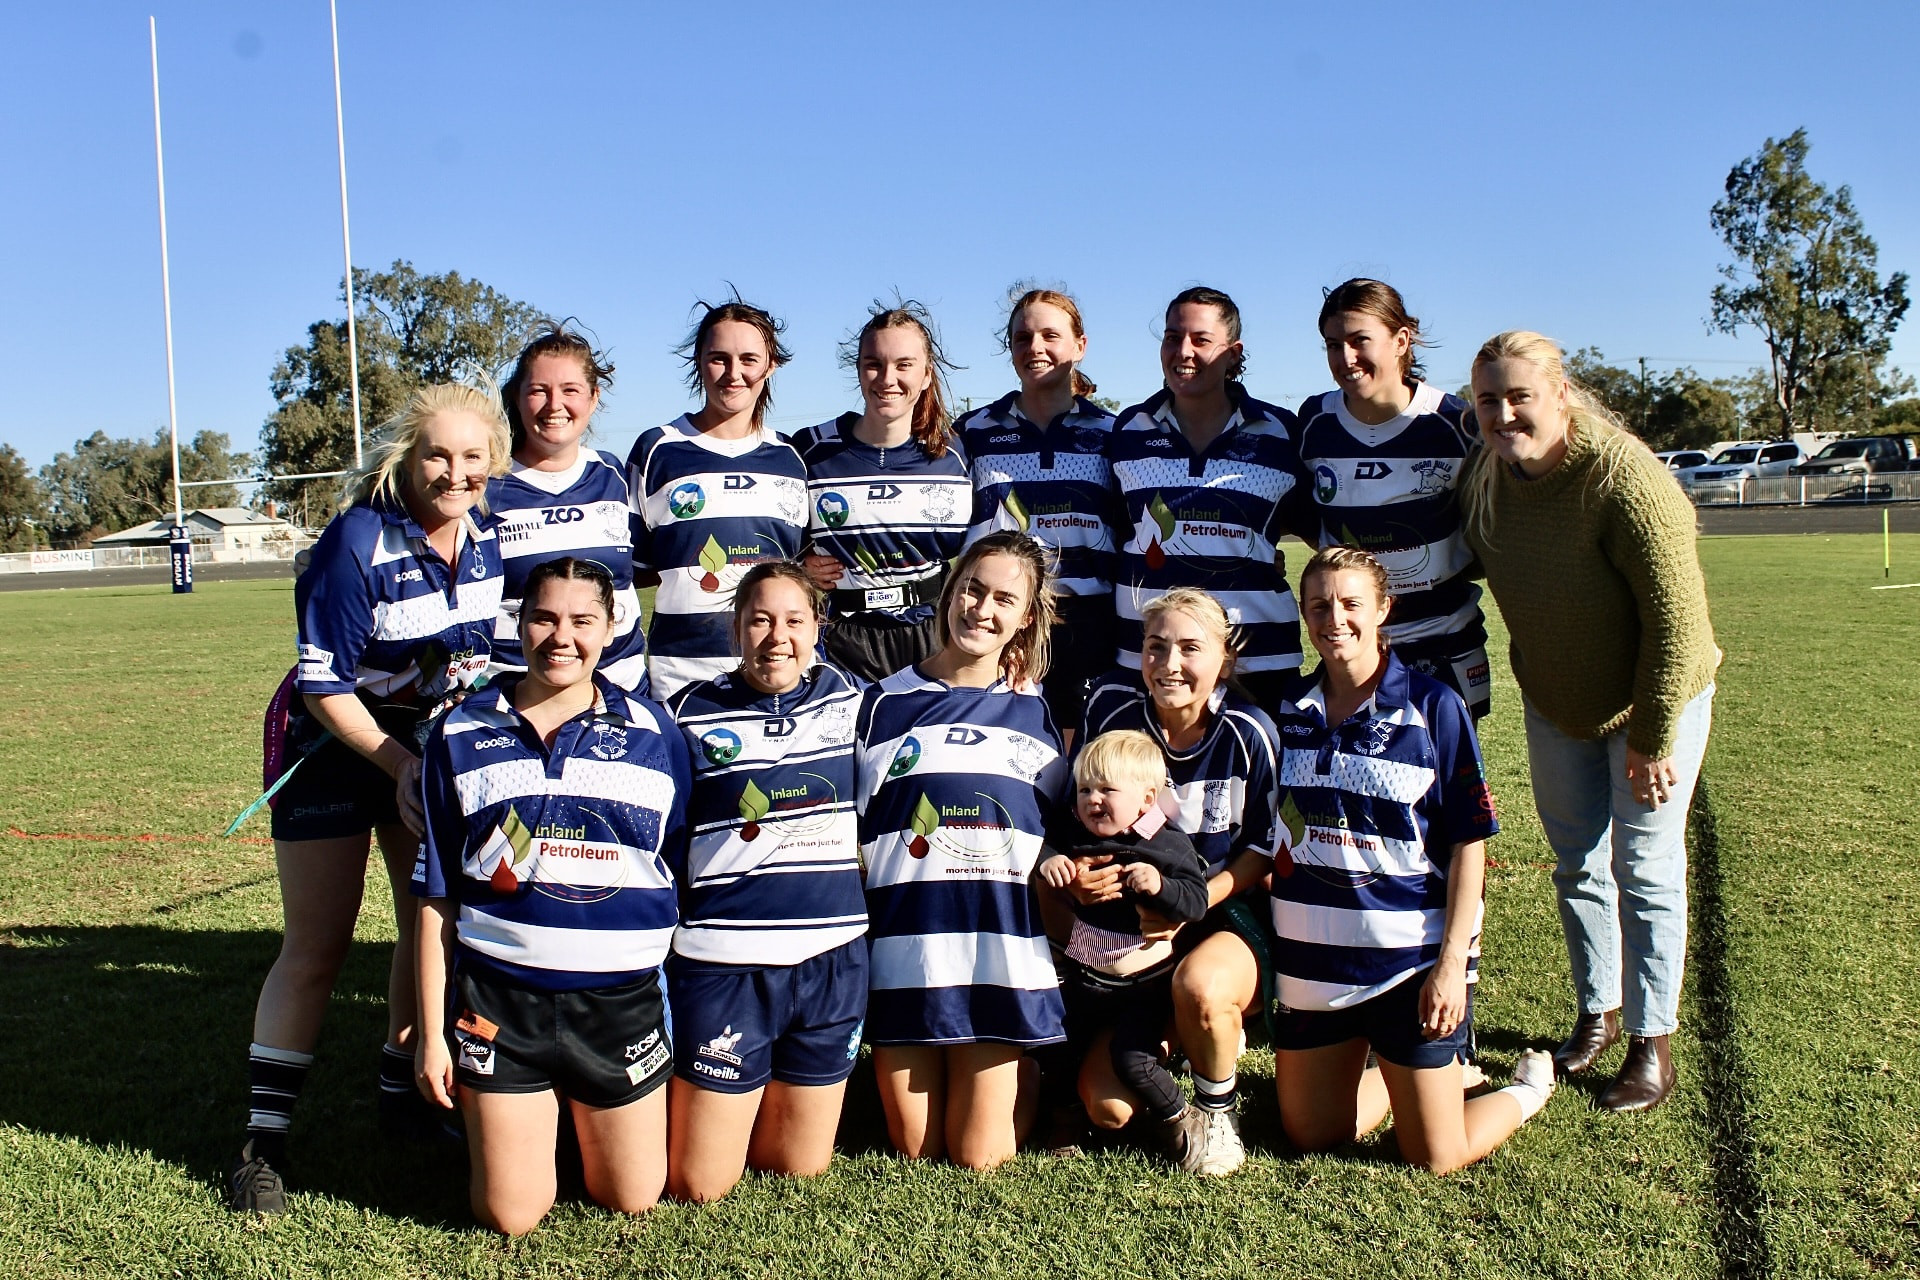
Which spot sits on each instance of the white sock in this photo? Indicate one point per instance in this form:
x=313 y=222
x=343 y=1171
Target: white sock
x=1532 y=1083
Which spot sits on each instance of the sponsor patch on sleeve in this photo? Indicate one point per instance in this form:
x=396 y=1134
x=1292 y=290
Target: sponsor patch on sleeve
x=316 y=663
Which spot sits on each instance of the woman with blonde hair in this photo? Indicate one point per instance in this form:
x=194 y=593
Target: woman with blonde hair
x=1589 y=549
x=1222 y=759
x=958 y=766
x=395 y=612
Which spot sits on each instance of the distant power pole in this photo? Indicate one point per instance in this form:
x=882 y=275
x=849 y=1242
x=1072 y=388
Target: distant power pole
x=1643 y=397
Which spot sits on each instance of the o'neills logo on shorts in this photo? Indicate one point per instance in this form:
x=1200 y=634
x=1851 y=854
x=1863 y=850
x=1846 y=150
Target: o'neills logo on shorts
x=718 y=1073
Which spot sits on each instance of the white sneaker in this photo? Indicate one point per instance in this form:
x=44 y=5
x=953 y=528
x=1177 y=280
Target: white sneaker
x=1535 y=1070
x=1221 y=1151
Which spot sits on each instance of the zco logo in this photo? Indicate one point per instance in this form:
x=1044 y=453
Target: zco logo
x=564 y=515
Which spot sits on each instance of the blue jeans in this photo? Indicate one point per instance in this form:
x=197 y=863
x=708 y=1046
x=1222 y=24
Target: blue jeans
x=1622 y=872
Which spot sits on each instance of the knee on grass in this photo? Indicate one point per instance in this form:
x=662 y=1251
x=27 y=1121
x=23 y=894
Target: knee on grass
x=699 y=1188
x=514 y=1219
x=1321 y=1131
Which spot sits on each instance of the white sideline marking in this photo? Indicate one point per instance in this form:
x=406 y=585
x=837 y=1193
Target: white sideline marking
x=1896 y=586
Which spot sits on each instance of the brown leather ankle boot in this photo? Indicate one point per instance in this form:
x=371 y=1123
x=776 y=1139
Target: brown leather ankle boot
x=1645 y=1079
x=1592 y=1035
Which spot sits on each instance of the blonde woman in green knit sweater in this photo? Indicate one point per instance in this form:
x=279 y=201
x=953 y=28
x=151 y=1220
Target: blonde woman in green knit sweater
x=1588 y=545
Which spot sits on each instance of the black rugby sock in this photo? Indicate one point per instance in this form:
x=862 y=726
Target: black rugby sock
x=274 y=1080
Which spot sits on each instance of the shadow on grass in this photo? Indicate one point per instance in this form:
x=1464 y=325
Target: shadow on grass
x=1740 y=1199
x=136 y=1036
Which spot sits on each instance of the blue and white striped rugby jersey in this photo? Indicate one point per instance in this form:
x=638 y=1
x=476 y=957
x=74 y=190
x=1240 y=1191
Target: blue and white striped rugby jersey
x=704 y=512
x=891 y=516
x=1210 y=520
x=1394 y=490
x=1223 y=785
x=955 y=785
x=560 y=863
x=1053 y=482
x=773 y=858
x=582 y=512
x=1371 y=810
x=379 y=612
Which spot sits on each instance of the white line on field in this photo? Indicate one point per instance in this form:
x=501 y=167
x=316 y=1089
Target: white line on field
x=1897 y=586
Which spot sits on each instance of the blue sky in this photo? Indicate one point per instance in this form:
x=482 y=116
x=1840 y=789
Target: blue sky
x=1533 y=165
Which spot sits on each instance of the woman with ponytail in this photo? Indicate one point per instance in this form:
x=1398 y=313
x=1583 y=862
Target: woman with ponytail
x=1039 y=465
x=715 y=492
x=890 y=497
x=1387 y=451
x=1589 y=549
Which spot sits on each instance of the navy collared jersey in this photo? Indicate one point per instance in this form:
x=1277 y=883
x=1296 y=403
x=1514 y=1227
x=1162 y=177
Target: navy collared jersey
x=891 y=516
x=560 y=861
x=380 y=613
x=1394 y=490
x=704 y=512
x=1211 y=519
x=1053 y=482
x=773 y=860
x=1371 y=811
x=955 y=785
x=580 y=512
x=1223 y=786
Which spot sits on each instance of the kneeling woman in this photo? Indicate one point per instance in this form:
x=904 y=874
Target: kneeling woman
x=959 y=764
x=1377 y=892
x=768 y=975
x=555 y=808
x=1221 y=763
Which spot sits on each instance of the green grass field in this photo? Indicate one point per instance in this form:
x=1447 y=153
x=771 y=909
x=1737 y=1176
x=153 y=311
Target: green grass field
x=133 y=941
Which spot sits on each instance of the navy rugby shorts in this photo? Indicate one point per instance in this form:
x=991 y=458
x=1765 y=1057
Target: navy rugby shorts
x=1390 y=1022
x=737 y=1026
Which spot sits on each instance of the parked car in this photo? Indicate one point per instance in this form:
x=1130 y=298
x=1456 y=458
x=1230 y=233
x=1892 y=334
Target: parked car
x=1861 y=455
x=1736 y=464
x=1680 y=459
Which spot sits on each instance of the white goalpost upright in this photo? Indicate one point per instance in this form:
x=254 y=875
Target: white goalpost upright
x=178 y=543
x=346 y=235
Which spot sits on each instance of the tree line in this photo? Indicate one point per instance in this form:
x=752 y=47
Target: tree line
x=1803 y=275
